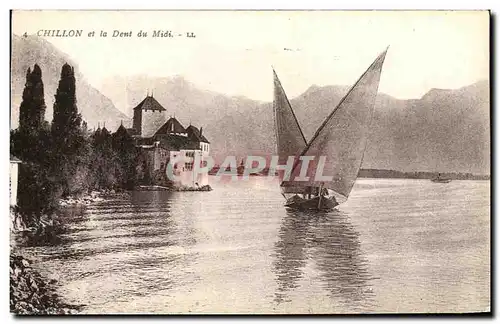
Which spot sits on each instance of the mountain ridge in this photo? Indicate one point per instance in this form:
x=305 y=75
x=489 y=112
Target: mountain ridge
x=444 y=130
x=92 y=104
x=406 y=135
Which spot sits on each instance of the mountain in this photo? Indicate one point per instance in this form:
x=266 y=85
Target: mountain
x=445 y=130
x=93 y=105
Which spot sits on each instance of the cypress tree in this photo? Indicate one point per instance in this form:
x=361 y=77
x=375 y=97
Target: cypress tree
x=66 y=120
x=38 y=98
x=32 y=109
x=32 y=144
x=26 y=104
x=68 y=139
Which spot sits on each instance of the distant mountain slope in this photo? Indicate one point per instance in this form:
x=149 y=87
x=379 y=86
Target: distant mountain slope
x=93 y=105
x=445 y=130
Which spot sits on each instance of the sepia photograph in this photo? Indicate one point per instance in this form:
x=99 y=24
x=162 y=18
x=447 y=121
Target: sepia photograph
x=250 y=162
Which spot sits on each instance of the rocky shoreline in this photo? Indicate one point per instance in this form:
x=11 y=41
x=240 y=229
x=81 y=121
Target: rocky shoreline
x=31 y=294
x=18 y=224
x=162 y=188
x=92 y=197
x=202 y=188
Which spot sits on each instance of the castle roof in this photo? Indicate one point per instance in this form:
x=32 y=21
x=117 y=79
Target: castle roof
x=196 y=134
x=121 y=129
x=150 y=103
x=177 y=143
x=123 y=132
x=171 y=142
x=170 y=127
x=132 y=131
x=104 y=131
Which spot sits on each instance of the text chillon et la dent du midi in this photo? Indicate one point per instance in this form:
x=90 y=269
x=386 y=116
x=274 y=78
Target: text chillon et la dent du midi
x=114 y=33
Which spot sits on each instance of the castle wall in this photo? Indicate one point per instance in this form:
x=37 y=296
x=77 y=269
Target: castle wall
x=184 y=173
x=205 y=148
x=137 y=121
x=151 y=122
x=160 y=157
x=188 y=179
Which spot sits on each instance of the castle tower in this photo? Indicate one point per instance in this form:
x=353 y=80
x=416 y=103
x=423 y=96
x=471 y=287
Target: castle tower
x=149 y=116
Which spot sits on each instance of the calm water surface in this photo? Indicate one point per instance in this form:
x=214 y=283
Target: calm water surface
x=397 y=245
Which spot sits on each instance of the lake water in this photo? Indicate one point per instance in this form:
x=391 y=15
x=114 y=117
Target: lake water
x=396 y=245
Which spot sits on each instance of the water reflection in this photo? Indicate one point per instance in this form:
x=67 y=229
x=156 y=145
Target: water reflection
x=122 y=245
x=290 y=254
x=237 y=250
x=333 y=246
x=55 y=235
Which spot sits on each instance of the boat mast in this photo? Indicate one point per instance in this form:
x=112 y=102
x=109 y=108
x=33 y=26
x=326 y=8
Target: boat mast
x=319 y=195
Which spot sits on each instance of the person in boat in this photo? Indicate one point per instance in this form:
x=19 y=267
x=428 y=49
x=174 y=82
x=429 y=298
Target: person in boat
x=313 y=191
x=326 y=194
x=308 y=192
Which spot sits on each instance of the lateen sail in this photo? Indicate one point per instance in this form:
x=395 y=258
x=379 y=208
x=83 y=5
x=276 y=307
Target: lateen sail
x=342 y=137
x=289 y=137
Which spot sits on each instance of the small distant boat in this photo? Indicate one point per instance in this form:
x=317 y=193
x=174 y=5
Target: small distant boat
x=214 y=170
x=341 y=140
x=240 y=170
x=441 y=179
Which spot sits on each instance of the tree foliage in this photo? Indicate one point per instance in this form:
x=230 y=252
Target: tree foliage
x=32 y=109
x=63 y=158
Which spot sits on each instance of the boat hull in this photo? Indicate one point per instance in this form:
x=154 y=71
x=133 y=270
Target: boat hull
x=441 y=180
x=311 y=204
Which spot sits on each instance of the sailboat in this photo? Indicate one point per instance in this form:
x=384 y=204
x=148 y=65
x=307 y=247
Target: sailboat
x=441 y=179
x=333 y=157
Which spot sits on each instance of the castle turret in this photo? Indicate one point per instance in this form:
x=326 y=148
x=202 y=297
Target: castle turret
x=149 y=116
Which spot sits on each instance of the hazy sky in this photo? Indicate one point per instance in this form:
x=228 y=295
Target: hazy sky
x=233 y=51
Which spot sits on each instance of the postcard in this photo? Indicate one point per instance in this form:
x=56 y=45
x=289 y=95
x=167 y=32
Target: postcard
x=250 y=162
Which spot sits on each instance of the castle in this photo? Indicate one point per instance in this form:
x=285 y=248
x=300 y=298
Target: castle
x=161 y=141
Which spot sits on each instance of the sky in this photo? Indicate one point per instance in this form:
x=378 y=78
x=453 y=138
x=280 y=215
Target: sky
x=233 y=51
